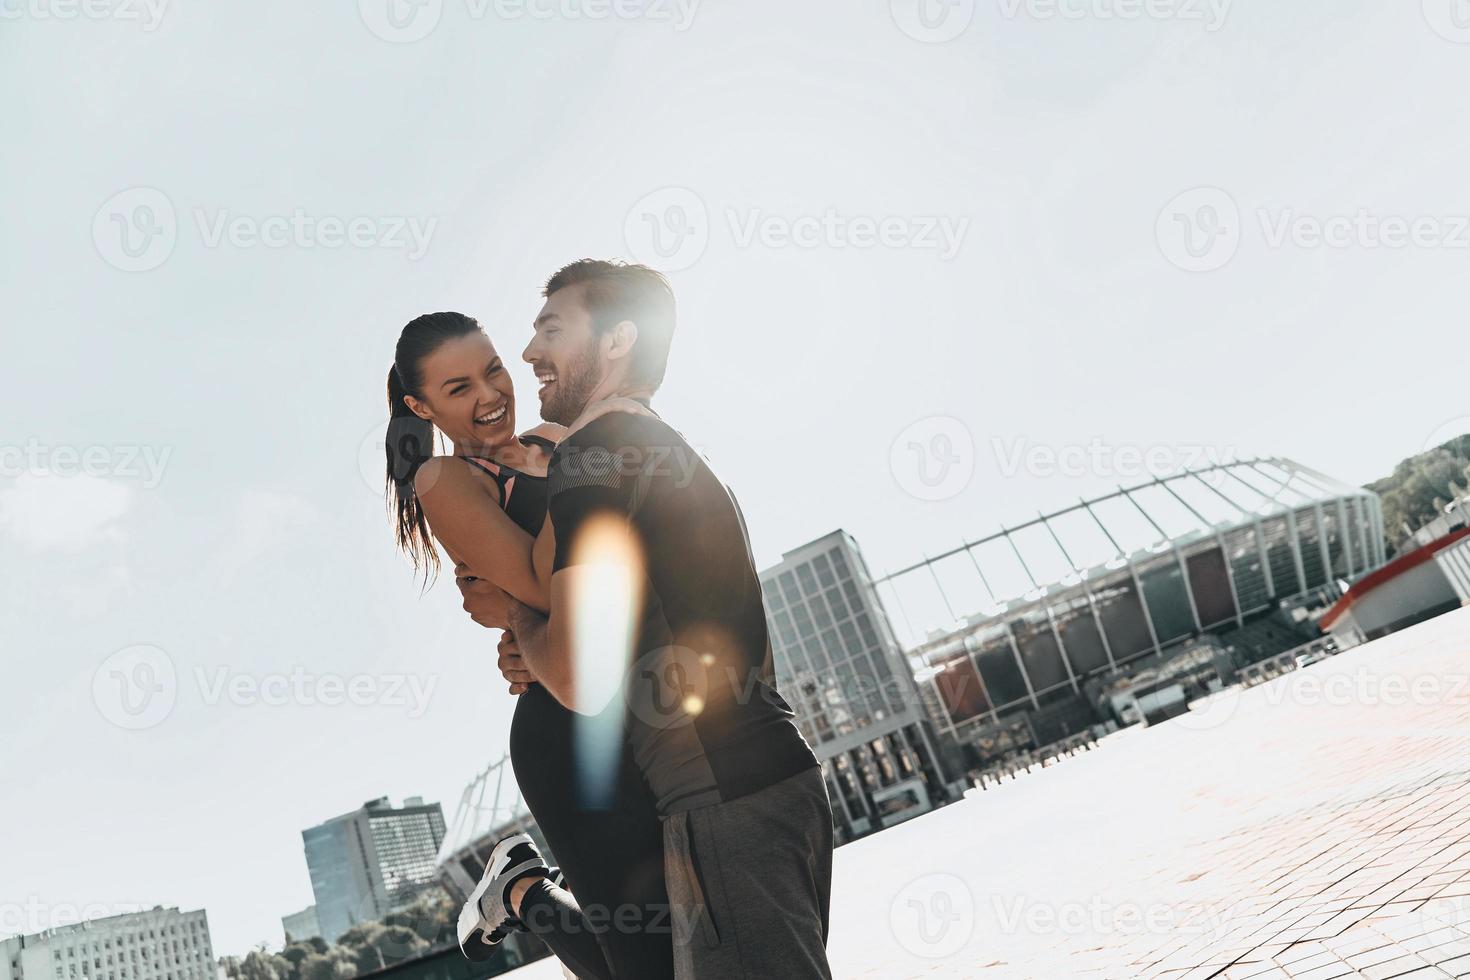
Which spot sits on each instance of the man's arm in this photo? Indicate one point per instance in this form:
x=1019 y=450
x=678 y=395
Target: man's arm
x=583 y=676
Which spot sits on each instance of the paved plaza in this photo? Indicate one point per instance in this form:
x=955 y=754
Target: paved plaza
x=1313 y=827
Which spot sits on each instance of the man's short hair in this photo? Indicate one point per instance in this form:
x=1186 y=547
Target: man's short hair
x=618 y=291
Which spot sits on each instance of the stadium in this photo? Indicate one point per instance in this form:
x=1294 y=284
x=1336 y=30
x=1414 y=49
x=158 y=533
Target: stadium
x=1182 y=577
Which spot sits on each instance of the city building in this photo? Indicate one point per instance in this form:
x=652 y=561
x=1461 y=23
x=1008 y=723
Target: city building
x=1420 y=584
x=840 y=667
x=366 y=863
x=1035 y=622
x=300 y=926
x=159 y=944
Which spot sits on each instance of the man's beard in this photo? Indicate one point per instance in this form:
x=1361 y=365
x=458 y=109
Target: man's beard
x=573 y=388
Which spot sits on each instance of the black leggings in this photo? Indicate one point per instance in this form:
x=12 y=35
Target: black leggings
x=618 y=927
x=553 y=915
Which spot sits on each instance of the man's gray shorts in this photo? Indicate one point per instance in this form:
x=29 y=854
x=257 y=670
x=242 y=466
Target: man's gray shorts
x=750 y=883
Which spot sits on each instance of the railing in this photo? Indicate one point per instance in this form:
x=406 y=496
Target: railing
x=1283 y=663
x=1033 y=759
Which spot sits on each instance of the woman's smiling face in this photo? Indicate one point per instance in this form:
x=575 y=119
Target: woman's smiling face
x=467 y=392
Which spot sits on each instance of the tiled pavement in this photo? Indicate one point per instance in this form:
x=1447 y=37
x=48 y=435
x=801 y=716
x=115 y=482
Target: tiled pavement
x=1314 y=827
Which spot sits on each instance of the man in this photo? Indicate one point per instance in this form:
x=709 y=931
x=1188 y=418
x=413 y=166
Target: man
x=635 y=512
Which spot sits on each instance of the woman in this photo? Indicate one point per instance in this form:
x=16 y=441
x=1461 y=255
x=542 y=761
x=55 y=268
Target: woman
x=486 y=504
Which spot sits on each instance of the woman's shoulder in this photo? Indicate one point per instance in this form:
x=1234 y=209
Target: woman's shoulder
x=441 y=475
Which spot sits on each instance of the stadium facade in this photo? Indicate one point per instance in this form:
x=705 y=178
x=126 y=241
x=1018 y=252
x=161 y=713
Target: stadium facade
x=1117 y=584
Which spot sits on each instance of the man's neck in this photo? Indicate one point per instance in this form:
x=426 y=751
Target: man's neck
x=633 y=399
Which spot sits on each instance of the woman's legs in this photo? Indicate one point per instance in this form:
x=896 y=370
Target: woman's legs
x=612 y=857
x=552 y=915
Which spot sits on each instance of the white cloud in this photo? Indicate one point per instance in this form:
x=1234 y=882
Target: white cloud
x=46 y=512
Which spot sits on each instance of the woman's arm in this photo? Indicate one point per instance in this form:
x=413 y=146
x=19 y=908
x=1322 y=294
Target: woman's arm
x=476 y=531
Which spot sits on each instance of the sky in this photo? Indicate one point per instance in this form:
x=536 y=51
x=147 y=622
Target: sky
x=939 y=267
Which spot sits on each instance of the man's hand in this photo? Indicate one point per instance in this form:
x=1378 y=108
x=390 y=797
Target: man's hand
x=487 y=605
x=512 y=665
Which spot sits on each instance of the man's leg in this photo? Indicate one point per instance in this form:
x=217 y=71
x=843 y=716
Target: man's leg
x=750 y=883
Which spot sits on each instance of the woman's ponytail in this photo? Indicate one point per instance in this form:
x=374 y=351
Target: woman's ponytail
x=410 y=441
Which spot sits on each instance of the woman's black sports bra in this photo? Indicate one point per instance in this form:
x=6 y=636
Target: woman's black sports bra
x=527 y=508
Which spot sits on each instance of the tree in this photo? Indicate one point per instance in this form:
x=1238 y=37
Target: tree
x=1421 y=486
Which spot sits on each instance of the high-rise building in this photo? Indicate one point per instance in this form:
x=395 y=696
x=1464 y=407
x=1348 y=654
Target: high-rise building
x=366 y=863
x=300 y=926
x=159 y=944
x=840 y=667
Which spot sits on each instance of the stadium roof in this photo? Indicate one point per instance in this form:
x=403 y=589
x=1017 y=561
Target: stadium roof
x=1096 y=536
